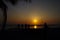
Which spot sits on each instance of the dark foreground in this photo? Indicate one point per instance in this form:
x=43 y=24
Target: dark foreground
x=31 y=34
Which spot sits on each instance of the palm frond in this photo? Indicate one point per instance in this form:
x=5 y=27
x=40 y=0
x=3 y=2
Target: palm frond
x=28 y=1
x=2 y=5
x=13 y=2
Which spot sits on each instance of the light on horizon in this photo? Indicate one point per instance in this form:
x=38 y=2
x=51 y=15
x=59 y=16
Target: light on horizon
x=35 y=27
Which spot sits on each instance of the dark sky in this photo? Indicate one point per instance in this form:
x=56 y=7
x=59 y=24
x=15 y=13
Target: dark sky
x=42 y=10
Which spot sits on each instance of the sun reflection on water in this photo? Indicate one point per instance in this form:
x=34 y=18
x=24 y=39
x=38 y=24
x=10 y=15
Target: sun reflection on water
x=35 y=27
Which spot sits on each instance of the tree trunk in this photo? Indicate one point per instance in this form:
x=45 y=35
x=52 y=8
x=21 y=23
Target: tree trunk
x=4 y=19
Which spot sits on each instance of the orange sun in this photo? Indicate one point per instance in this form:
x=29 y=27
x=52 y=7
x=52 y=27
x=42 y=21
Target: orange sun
x=35 y=21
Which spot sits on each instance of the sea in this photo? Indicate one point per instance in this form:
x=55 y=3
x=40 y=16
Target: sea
x=11 y=26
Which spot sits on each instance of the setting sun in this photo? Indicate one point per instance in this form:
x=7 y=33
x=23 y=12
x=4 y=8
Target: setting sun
x=35 y=20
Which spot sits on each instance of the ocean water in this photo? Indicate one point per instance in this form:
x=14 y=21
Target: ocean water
x=31 y=27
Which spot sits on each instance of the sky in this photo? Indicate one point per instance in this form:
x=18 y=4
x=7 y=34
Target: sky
x=41 y=10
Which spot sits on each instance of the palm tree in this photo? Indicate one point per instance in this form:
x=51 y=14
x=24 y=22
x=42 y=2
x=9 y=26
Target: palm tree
x=4 y=8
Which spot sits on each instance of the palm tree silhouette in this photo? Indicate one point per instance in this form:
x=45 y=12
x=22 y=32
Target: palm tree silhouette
x=4 y=8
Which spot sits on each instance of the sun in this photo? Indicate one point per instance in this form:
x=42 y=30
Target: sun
x=35 y=20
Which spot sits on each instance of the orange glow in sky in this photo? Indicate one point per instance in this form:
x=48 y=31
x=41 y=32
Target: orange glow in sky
x=35 y=20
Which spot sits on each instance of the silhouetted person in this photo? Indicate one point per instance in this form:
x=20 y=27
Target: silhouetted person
x=21 y=26
x=28 y=1
x=28 y=26
x=25 y=26
x=45 y=31
x=45 y=26
x=18 y=26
